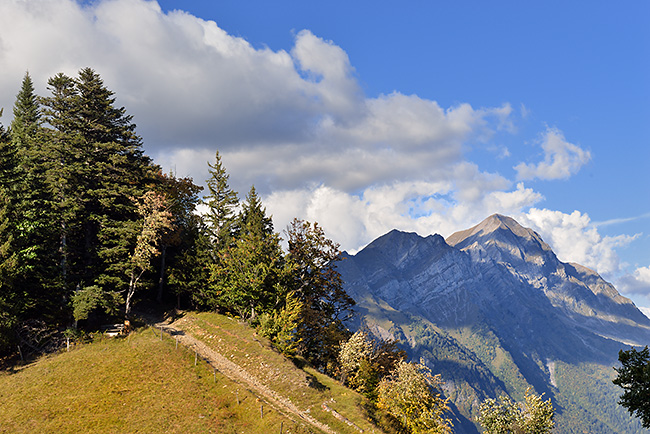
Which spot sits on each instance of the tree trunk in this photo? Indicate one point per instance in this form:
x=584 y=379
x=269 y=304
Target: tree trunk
x=161 y=280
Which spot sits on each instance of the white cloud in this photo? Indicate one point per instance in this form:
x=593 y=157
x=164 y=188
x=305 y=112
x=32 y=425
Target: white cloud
x=281 y=120
x=574 y=238
x=561 y=158
x=294 y=123
x=637 y=282
x=422 y=207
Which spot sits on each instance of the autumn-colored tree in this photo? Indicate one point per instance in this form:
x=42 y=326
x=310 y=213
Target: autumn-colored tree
x=364 y=361
x=157 y=220
x=410 y=395
x=532 y=416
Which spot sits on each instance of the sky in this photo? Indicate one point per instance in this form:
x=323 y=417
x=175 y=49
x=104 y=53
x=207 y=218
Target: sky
x=365 y=116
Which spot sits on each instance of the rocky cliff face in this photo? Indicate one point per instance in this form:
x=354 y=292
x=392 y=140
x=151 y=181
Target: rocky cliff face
x=496 y=298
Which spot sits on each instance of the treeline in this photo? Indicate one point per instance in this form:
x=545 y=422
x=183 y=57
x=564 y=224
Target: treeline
x=89 y=225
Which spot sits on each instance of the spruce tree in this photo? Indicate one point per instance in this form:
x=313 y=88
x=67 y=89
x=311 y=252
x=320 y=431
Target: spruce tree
x=96 y=166
x=253 y=216
x=34 y=244
x=27 y=114
x=250 y=274
x=221 y=202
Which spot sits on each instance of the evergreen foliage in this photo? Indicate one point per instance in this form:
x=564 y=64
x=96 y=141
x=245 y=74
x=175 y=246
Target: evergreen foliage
x=222 y=204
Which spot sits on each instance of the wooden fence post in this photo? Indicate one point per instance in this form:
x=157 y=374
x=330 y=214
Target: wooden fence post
x=196 y=357
x=261 y=411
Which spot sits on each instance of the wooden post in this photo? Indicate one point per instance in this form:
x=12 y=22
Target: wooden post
x=261 y=411
x=281 y=423
x=67 y=343
x=237 y=397
x=196 y=357
x=214 y=374
x=22 y=359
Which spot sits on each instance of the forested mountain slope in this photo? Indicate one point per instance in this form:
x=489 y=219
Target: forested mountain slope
x=494 y=311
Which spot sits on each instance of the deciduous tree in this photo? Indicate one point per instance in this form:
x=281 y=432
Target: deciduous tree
x=533 y=416
x=410 y=394
x=157 y=220
x=634 y=377
x=319 y=287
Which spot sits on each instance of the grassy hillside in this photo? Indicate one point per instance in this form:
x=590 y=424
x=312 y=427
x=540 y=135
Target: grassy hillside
x=143 y=384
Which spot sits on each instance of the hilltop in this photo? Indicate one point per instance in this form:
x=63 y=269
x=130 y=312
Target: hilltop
x=142 y=383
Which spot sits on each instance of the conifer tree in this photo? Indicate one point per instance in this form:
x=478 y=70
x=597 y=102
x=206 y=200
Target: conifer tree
x=8 y=302
x=249 y=276
x=222 y=203
x=253 y=216
x=95 y=167
x=33 y=245
x=27 y=114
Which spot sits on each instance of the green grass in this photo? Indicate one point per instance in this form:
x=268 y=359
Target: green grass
x=137 y=384
x=307 y=388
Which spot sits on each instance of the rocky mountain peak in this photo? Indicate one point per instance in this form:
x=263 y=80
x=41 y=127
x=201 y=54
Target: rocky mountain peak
x=502 y=239
x=492 y=309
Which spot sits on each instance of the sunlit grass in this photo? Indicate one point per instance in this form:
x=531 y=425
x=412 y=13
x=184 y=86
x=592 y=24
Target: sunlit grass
x=136 y=384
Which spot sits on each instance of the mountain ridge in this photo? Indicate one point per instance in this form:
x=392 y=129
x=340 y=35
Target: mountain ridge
x=497 y=293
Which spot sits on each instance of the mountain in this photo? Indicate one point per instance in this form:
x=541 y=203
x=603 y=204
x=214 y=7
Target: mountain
x=494 y=311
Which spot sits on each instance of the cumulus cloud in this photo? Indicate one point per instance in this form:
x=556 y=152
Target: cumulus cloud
x=296 y=124
x=282 y=119
x=637 y=282
x=422 y=207
x=574 y=238
x=561 y=158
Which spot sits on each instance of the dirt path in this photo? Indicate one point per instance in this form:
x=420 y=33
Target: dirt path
x=240 y=375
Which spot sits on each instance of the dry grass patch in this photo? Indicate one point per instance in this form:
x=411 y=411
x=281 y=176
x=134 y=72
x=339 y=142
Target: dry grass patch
x=131 y=385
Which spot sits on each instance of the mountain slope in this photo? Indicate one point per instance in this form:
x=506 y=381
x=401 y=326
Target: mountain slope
x=146 y=383
x=494 y=311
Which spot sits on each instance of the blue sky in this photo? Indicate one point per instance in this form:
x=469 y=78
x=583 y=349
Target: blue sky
x=368 y=116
